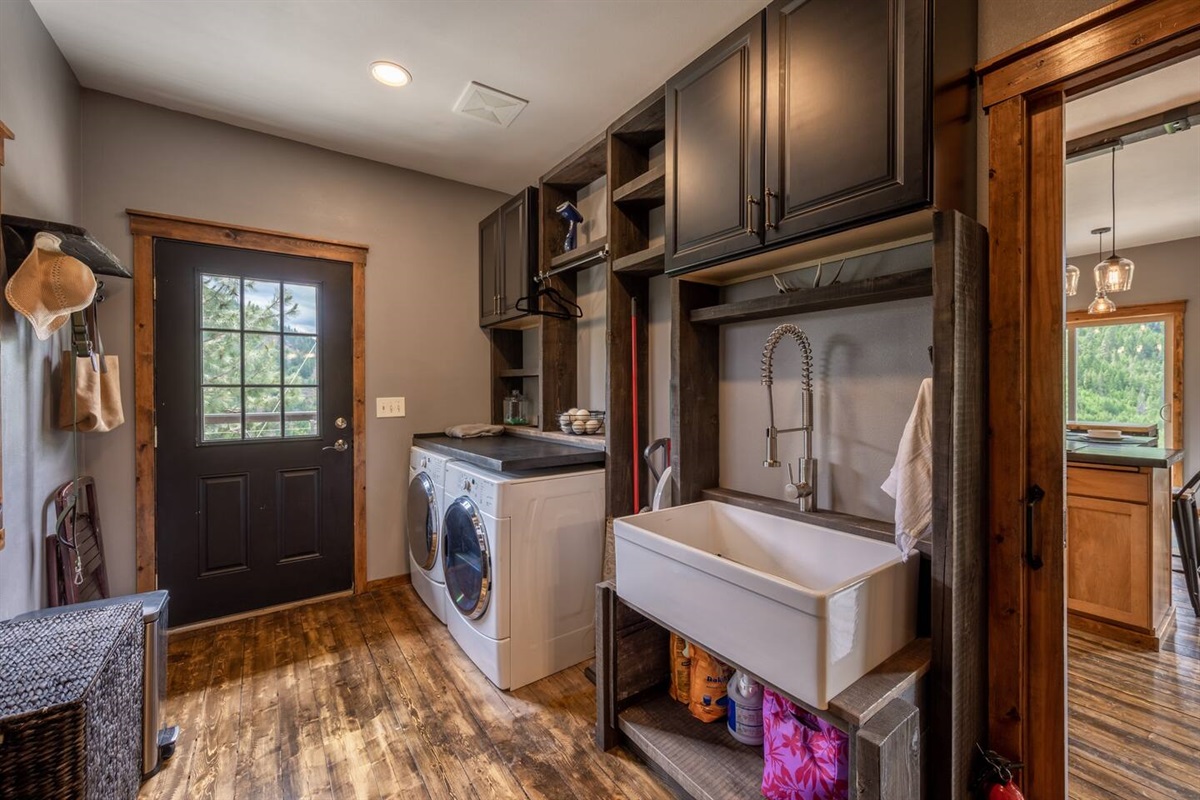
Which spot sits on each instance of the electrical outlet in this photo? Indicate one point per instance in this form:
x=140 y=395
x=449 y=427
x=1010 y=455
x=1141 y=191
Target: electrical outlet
x=389 y=406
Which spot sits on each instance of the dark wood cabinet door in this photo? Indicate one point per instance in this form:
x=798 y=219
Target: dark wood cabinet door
x=519 y=259
x=489 y=268
x=847 y=110
x=714 y=152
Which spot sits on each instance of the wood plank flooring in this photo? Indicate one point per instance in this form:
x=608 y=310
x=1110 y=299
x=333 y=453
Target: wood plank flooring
x=1135 y=715
x=369 y=697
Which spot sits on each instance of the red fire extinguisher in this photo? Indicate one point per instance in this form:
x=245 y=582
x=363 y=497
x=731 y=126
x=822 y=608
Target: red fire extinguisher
x=994 y=777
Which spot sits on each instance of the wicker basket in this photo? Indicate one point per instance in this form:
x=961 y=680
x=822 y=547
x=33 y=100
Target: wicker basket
x=71 y=704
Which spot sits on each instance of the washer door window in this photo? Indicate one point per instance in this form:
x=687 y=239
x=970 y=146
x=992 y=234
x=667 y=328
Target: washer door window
x=465 y=558
x=422 y=521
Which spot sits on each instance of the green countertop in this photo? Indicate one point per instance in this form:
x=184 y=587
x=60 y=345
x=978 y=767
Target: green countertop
x=1122 y=455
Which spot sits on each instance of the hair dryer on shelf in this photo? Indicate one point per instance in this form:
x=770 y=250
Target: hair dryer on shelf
x=571 y=214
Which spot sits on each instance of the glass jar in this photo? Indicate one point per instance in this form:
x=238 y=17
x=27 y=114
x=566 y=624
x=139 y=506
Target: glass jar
x=516 y=409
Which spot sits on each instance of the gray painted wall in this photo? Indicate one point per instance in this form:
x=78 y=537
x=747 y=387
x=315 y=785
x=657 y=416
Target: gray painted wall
x=39 y=101
x=1164 y=273
x=423 y=339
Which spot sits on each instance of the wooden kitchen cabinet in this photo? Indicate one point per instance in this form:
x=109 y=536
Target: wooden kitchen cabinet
x=815 y=117
x=714 y=152
x=847 y=114
x=507 y=257
x=1119 y=552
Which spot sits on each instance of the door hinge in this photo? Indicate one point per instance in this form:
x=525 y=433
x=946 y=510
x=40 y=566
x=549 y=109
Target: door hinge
x=155 y=437
x=154 y=289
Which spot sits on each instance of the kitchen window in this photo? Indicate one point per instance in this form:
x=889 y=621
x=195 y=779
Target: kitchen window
x=1126 y=369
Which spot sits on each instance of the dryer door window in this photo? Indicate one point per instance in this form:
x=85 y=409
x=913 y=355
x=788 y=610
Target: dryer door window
x=465 y=558
x=423 y=521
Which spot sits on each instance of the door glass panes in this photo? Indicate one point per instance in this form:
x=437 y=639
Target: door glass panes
x=257 y=382
x=1120 y=372
x=463 y=561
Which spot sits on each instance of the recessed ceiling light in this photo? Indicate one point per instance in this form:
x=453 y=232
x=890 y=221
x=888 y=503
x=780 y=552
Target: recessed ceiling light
x=391 y=74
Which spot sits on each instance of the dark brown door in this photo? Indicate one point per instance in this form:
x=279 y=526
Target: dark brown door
x=846 y=111
x=489 y=268
x=516 y=269
x=714 y=152
x=253 y=399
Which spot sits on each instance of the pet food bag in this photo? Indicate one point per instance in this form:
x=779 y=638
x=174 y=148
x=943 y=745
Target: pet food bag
x=709 y=680
x=805 y=758
x=681 y=669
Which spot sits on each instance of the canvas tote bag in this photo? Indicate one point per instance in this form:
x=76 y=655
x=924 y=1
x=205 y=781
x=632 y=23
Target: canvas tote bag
x=91 y=388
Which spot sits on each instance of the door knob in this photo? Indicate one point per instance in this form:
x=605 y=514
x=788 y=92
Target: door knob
x=340 y=446
x=340 y=423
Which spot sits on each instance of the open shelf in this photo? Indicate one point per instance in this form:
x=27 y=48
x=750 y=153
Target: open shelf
x=643 y=262
x=518 y=373
x=701 y=757
x=585 y=165
x=648 y=188
x=882 y=289
x=586 y=255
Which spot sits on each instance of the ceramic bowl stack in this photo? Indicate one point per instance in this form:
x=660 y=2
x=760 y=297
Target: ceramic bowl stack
x=581 y=422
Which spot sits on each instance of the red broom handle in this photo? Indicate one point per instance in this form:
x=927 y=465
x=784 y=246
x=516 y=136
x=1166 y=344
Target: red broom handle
x=637 y=454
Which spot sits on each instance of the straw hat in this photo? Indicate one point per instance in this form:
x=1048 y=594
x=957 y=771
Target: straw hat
x=49 y=286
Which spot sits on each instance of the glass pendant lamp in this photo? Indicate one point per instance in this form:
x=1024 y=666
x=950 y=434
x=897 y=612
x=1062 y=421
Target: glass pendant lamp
x=1115 y=273
x=1102 y=304
x=1072 y=280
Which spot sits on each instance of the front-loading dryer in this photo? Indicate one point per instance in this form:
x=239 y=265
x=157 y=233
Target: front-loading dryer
x=423 y=527
x=522 y=553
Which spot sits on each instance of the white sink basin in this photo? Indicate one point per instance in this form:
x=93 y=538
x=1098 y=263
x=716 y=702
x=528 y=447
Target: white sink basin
x=807 y=609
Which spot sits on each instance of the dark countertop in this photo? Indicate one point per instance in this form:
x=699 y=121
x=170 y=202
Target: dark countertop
x=509 y=453
x=1122 y=455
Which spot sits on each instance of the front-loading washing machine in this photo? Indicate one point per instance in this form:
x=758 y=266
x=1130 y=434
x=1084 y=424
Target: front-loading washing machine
x=426 y=478
x=522 y=553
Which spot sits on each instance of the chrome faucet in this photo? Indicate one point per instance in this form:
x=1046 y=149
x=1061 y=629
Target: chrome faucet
x=803 y=491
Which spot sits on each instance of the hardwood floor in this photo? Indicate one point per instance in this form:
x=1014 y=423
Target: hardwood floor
x=1135 y=715
x=369 y=697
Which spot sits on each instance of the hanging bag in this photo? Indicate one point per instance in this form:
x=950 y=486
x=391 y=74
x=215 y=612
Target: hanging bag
x=91 y=386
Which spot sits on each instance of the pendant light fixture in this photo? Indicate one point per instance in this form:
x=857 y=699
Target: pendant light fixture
x=1072 y=280
x=1102 y=304
x=1114 y=274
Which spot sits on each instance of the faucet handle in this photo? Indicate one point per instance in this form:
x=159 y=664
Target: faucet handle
x=790 y=490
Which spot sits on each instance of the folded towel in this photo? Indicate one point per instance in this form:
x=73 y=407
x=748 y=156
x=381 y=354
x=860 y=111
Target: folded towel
x=474 y=430
x=911 y=479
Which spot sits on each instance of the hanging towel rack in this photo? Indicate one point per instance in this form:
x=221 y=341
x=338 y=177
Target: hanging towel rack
x=19 y=233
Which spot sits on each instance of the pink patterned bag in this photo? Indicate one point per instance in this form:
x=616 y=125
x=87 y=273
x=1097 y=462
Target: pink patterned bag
x=806 y=758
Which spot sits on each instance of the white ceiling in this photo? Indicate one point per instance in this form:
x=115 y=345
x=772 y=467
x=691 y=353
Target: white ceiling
x=1158 y=180
x=299 y=69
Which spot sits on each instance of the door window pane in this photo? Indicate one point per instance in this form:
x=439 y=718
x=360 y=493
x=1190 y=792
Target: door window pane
x=255 y=382
x=221 y=302
x=299 y=308
x=1120 y=372
x=222 y=413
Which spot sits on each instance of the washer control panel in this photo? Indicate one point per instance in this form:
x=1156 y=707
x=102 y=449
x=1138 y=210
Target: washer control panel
x=463 y=484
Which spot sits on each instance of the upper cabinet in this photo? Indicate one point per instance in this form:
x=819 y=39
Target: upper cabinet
x=714 y=154
x=816 y=116
x=507 y=257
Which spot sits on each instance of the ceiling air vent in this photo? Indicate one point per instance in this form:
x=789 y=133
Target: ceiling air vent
x=490 y=105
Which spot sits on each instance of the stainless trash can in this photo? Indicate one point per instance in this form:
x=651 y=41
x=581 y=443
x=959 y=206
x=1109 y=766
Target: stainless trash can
x=158 y=739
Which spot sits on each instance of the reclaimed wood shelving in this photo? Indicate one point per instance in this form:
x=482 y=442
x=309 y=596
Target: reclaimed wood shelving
x=586 y=255
x=642 y=262
x=648 y=188
x=881 y=289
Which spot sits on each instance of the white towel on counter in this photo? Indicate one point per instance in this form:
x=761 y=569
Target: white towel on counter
x=911 y=479
x=474 y=430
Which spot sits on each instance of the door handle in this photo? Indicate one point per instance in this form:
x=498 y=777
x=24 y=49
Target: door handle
x=751 y=213
x=1033 y=496
x=769 y=214
x=340 y=446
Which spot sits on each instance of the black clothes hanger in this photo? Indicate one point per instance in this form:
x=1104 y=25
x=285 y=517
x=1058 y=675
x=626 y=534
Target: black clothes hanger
x=559 y=306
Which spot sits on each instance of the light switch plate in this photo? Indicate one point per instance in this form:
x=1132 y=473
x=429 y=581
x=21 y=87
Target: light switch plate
x=389 y=406
x=1 y=538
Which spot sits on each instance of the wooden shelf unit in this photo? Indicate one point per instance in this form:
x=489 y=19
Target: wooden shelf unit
x=634 y=181
x=881 y=289
x=586 y=255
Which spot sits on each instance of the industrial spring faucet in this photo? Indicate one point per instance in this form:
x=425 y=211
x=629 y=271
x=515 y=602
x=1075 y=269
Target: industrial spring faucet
x=803 y=491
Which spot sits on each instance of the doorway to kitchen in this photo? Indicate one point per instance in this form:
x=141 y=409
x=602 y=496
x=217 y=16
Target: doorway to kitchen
x=1036 y=700
x=249 y=416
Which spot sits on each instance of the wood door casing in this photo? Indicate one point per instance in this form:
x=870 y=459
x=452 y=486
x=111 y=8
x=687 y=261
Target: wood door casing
x=831 y=158
x=714 y=152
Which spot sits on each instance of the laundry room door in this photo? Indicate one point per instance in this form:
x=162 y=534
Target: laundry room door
x=253 y=407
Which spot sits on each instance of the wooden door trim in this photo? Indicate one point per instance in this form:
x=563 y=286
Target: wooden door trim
x=147 y=226
x=1024 y=91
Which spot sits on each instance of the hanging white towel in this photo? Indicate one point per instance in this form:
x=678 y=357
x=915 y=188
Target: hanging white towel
x=911 y=479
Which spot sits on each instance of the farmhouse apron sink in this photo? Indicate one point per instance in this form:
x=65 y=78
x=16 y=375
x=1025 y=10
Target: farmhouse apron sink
x=806 y=609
